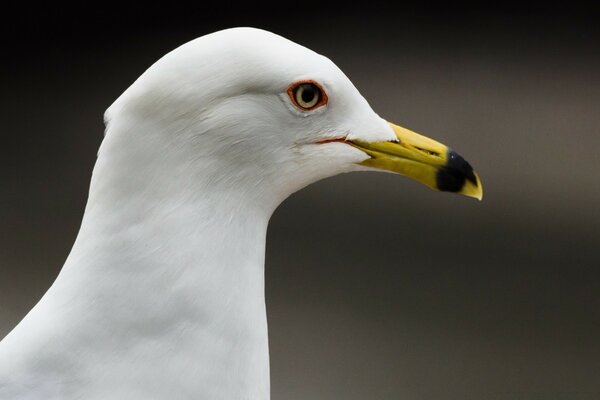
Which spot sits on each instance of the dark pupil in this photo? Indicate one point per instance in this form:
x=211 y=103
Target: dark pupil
x=308 y=93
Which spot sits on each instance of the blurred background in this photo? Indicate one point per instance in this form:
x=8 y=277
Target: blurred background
x=377 y=288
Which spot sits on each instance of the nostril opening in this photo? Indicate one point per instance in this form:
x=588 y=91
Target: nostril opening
x=430 y=152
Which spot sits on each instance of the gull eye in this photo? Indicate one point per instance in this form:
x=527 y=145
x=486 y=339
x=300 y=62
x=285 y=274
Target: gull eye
x=307 y=95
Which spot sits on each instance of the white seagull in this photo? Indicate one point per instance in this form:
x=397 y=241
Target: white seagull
x=162 y=295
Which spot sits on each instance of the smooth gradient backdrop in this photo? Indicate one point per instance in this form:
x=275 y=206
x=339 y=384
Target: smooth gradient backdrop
x=377 y=288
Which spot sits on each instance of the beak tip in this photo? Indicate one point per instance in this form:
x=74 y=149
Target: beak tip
x=474 y=190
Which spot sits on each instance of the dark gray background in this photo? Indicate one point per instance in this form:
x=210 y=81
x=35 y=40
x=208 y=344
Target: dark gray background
x=377 y=288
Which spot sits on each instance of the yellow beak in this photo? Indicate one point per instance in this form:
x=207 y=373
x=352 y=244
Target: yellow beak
x=424 y=160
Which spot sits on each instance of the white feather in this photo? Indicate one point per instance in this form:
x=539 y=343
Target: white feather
x=162 y=296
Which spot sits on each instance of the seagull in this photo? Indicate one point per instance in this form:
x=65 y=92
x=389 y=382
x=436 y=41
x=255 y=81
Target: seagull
x=162 y=295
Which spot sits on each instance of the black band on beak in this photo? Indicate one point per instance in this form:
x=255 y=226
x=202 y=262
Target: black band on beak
x=452 y=176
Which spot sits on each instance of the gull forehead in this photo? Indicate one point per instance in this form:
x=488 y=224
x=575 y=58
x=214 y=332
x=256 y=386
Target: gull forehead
x=240 y=60
x=214 y=74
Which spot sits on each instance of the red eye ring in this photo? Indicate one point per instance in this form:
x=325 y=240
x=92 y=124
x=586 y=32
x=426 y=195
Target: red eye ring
x=307 y=95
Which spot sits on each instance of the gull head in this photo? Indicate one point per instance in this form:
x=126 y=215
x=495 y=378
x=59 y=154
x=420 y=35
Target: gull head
x=248 y=112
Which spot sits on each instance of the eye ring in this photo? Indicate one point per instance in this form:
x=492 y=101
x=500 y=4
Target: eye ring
x=307 y=95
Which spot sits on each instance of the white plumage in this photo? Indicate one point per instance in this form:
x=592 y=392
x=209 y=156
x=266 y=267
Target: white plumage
x=162 y=295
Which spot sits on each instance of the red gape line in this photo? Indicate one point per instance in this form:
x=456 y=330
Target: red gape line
x=340 y=140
